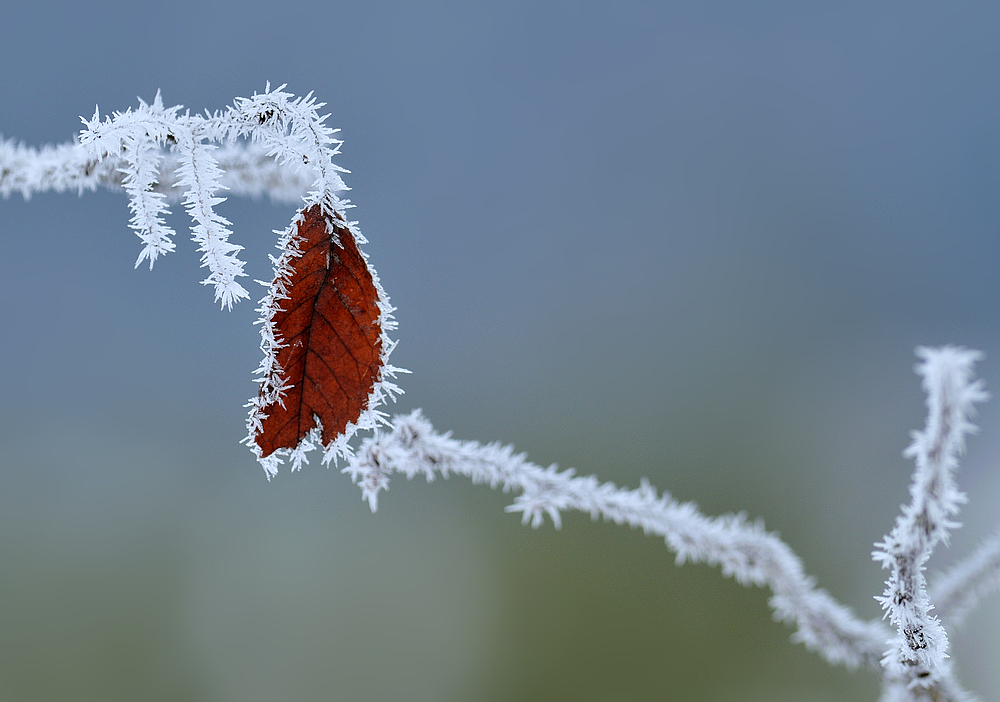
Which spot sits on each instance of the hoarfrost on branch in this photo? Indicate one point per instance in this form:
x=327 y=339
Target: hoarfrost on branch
x=277 y=145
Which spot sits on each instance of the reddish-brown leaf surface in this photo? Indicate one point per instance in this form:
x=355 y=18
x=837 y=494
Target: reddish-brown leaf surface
x=333 y=343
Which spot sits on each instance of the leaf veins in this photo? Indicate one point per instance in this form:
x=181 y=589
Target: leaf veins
x=331 y=353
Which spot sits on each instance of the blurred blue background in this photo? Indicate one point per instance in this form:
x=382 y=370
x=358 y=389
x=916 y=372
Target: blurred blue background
x=691 y=241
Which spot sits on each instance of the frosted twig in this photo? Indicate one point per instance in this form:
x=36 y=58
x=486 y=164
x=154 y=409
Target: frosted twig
x=919 y=653
x=127 y=149
x=27 y=170
x=956 y=591
x=294 y=134
x=744 y=550
x=199 y=175
x=137 y=138
x=247 y=171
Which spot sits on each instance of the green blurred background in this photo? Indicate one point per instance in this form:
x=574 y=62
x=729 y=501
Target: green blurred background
x=693 y=242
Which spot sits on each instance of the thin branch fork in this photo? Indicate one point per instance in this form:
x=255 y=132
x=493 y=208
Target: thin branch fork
x=919 y=655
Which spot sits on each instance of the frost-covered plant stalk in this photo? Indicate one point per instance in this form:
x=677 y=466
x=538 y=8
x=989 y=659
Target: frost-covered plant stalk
x=919 y=656
x=276 y=144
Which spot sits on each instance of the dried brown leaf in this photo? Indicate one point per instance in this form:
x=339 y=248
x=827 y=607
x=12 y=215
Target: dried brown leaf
x=331 y=355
